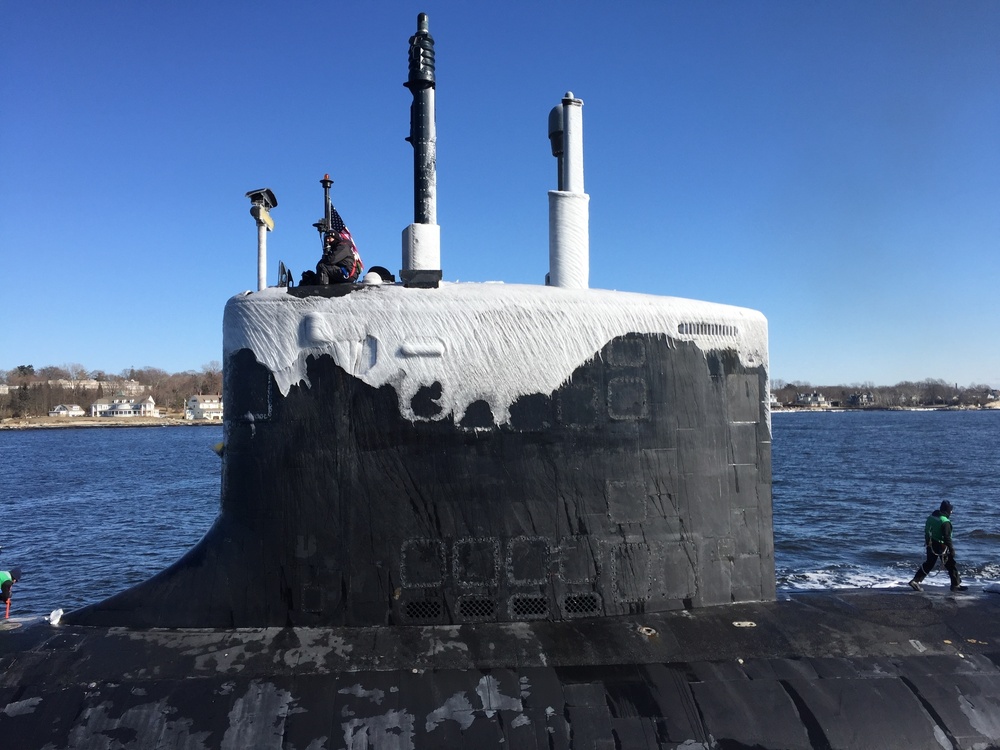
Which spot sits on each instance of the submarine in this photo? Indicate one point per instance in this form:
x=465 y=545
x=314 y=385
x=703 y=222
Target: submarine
x=482 y=515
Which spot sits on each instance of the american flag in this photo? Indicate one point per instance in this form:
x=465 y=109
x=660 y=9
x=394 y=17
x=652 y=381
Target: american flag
x=337 y=225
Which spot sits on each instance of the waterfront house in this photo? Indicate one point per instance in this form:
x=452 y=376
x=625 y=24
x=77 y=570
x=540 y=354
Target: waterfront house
x=862 y=399
x=124 y=406
x=204 y=407
x=67 y=410
x=814 y=400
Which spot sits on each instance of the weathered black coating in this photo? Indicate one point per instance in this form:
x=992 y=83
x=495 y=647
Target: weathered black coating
x=859 y=669
x=640 y=485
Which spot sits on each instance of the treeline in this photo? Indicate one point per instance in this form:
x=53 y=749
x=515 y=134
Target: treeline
x=925 y=393
x=32 y=392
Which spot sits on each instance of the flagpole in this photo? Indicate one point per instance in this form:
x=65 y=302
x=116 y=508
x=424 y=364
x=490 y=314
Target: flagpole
x=327 y=183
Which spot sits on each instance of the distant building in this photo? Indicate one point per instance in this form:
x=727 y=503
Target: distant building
x=128 y=387
x=862 y=399
x=124 y=406
x=203 y=407
x=814 y=400
x=87 y=384
x=67 y=410
x=99 y=407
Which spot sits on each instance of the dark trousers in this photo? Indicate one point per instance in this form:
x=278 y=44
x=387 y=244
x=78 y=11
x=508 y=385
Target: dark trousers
x=934 y=552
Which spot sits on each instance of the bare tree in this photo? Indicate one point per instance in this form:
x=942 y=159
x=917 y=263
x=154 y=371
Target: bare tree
x=211 y=378
x=23 y=374
x=51 y=372
x=934 y=392
x=76 y=371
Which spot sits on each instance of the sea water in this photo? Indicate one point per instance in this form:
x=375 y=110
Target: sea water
x=853 y=489
x=88 y=512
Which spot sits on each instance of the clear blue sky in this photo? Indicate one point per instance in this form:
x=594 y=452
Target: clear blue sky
x=833 y=164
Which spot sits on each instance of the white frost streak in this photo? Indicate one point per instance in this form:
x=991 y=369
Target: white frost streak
x=493 y=342
x=18 y=708
x=458 y=708
x=390 y=731
x=257 y=720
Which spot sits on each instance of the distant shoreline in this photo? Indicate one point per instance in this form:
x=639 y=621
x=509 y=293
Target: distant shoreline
x=63 y=423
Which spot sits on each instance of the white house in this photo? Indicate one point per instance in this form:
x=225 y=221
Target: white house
x=814 y=399
x=123 y=406
x=203 y=407
x=67 y=410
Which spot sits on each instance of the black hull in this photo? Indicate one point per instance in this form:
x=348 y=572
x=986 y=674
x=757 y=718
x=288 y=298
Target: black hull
x=641 y=484
x=862 y=669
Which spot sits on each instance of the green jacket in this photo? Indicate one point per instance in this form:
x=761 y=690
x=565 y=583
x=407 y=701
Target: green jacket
x=938 y=529
x=6 y=584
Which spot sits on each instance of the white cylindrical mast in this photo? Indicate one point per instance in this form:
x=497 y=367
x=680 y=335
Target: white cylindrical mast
x=569 y=206
x=572 y=161
x=261 y=255
x=261 y=203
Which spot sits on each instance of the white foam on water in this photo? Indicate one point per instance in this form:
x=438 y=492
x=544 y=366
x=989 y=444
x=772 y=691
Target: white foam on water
x=849 y=577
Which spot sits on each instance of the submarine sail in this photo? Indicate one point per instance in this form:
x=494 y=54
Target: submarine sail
x=435 y=453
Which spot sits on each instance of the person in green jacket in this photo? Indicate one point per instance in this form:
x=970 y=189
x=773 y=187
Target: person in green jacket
x=937 y=540
x=7 y=580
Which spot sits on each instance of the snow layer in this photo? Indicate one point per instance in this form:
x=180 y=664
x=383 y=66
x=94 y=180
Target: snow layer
x=493 y=342
x=569 y=239
x=422 y=247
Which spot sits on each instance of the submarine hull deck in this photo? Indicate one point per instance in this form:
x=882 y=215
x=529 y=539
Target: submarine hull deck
x=849 y=669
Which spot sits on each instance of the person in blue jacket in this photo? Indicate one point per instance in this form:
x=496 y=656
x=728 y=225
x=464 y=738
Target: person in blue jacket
x=938 y=541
